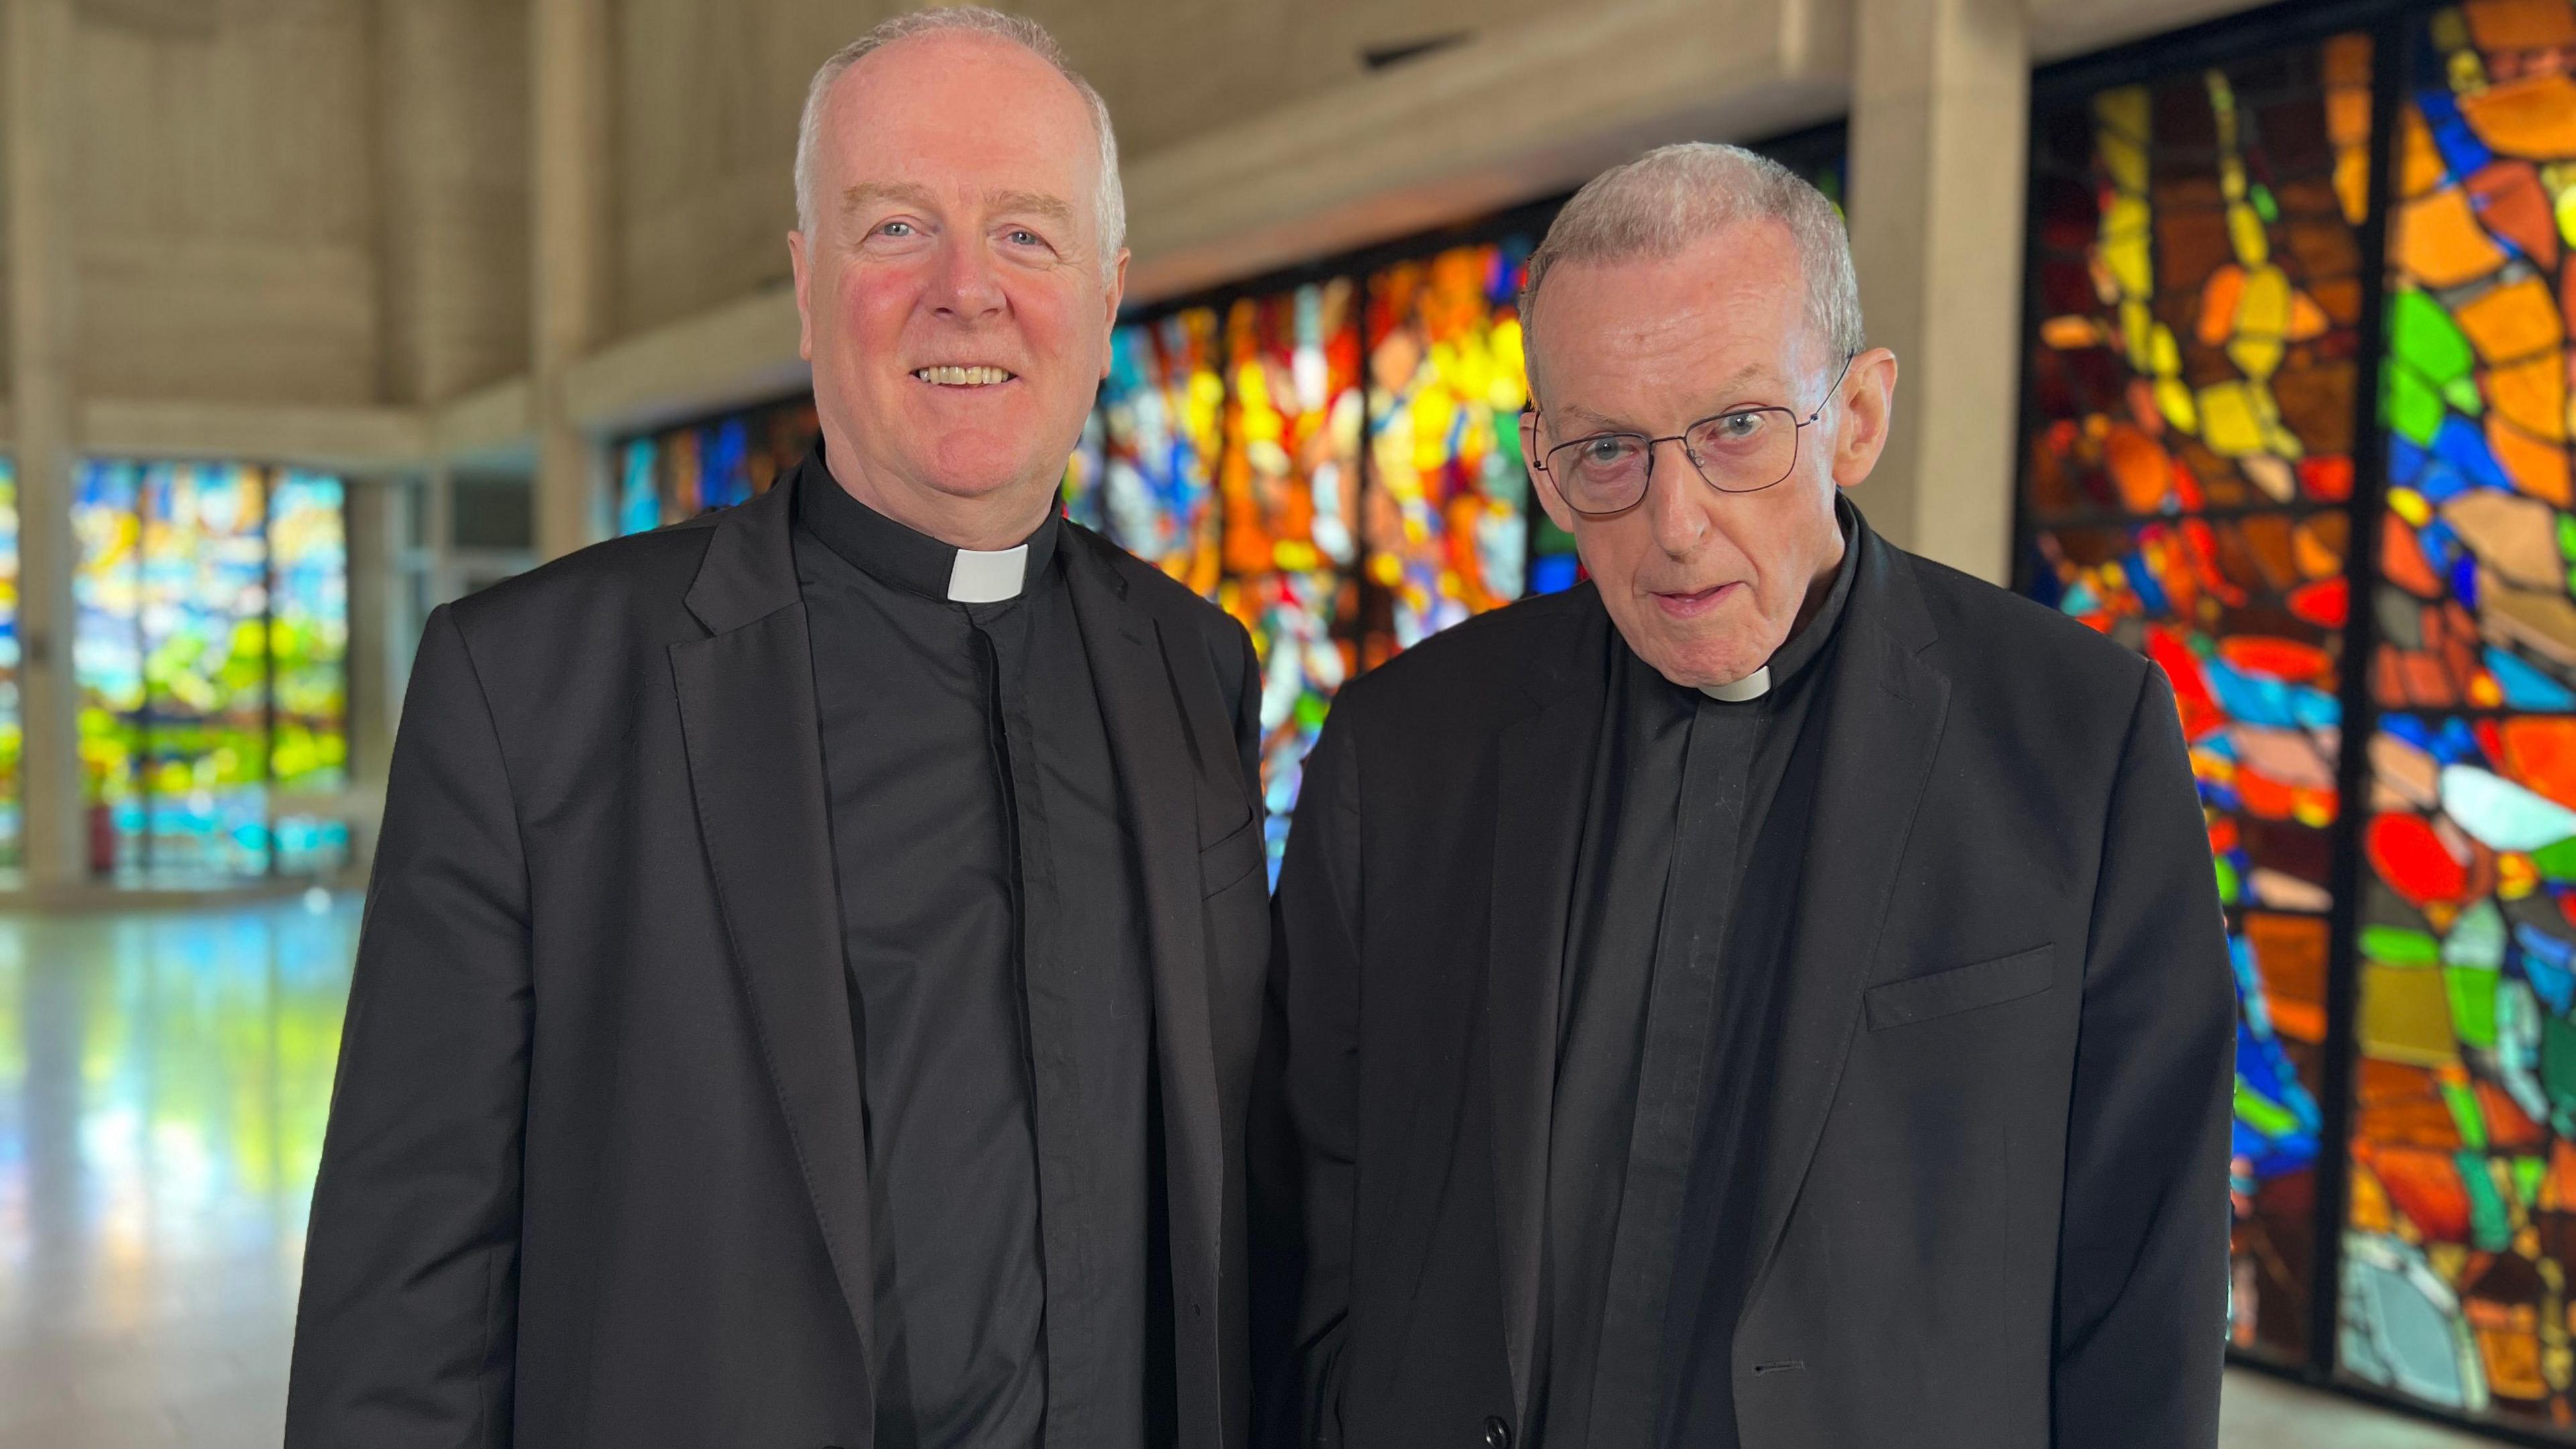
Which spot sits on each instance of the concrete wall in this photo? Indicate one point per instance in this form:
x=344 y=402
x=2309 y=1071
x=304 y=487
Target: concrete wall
x=226 y=202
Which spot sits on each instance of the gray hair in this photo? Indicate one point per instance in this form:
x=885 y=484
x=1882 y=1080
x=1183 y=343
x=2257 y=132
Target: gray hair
x=1110 y=204
x=1672 y=196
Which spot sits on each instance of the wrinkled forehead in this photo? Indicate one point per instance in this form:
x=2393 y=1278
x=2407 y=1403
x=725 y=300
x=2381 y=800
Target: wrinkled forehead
x=1729 y=310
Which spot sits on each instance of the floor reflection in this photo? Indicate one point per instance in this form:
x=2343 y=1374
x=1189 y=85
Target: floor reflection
x=163 y=1082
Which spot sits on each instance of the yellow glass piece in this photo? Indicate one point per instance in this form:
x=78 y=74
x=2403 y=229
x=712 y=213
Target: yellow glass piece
x=2164 y=355
x=2410 y=505
x=2124 y=245
x=2245 y=234
x=2125 y=110
x=2175 y=401
x=2466 y=74
x=2406 y=1016
x=2485 y=693
x=2516 y=876
x=2564 y=208
x=2447 y=29
x=1296 y=555
x=2231 y=421
x=2125 y=159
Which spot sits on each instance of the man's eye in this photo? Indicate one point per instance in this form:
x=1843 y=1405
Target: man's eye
x=1022 y=236
x=895 y=228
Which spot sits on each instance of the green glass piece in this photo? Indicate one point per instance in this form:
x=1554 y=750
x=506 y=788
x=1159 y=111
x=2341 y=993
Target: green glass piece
x=2262 y=1113
x=2462 y=393
x=2556 y=860
x=2414 y=409
x=2558 y=1065
x=2423 y=335
x=2490 y=1225
x=2397 y=946
x=2567 y=538
x=2527 y=1173
x=2477 y=938
x=2228 y=886
x=2473 y=1006
x=2465 y=1112
x=2264 y=206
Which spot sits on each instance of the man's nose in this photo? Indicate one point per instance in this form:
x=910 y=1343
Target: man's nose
x=965 y=284
x=1676 y=498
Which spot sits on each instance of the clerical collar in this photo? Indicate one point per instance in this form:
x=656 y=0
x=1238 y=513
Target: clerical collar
x=1803 y=646
x=912 y=560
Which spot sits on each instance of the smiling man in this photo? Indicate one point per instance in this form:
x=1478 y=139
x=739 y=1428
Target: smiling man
x=1773 y=994
x=813 y=965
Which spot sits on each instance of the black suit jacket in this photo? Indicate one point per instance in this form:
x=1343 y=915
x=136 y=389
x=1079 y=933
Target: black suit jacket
x=595 y=1172
x=1993 y=1187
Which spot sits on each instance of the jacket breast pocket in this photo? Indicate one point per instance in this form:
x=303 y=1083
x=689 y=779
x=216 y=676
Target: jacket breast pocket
x=1231 y=859
x=1964 y=988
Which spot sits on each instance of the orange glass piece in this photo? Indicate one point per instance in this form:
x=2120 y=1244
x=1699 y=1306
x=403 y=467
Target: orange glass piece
x=2519 y=24
x=2539 y=753
x=2512 y=321
x=2419 y=164
x=2138 y=466
x=2425 y=1186
x=2537 y=465
x=2282 y=659
x=2509 y=198
x=2438 y=240
x=2401 y=561
x=2532 y=115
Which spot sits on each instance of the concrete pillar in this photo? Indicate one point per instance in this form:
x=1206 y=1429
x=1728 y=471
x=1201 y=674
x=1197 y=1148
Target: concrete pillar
x=1940 y=134
x=569 y=175
x=36 y=69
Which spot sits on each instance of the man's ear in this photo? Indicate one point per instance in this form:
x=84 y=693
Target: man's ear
x=1117 y=294
x=1533 y=445
x=1869 y=409
x=796 y=263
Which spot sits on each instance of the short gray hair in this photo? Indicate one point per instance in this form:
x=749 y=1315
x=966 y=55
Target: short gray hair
x=1673 y=196
x=1110 y=204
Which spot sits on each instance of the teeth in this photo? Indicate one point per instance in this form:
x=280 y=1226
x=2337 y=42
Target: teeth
x=962 y=376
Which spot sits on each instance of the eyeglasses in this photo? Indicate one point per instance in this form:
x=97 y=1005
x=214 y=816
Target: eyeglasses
x=1741 y=451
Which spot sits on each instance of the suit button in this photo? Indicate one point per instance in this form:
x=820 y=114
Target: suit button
x=1498 y=1435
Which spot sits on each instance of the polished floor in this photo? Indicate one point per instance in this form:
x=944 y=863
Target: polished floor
x=163 y=1081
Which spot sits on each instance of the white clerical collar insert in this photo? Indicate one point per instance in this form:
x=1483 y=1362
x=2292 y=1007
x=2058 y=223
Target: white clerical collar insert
x=987 y=578
x=1751 y=686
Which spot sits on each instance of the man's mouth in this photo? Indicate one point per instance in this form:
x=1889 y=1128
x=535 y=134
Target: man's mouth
x=953 y=376
x=1682 y=604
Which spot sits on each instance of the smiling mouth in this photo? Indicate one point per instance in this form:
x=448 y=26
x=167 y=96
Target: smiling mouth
x=963 y=376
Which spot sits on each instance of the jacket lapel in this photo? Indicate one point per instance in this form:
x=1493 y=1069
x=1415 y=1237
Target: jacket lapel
x=1884 y=712
x=1545 y=767
x=755 y=754
x=1153 y=750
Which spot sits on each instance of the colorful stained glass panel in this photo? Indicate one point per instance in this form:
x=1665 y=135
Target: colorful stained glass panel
x=2461 y=1227
x=2186 y=482
x=1445 y=515
x=681 y=472
x=1288 y=492
x=1161 y=412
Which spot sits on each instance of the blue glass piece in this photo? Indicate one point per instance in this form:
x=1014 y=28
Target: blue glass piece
x=2250 y=697
x=2462 y=152
x=2405 y=460
x=2525 y=686
x=2464 y=446
x=1553 y=573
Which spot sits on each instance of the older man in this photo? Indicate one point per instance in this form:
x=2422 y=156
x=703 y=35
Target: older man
x=814 y=961
x=1774 y=994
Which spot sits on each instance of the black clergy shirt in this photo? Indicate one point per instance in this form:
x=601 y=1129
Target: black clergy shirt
x=1660 y=1005
x=991 y=931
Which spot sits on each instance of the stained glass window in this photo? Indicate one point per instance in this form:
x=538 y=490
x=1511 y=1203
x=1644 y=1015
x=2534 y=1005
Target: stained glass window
x=2187 y=477
x=1288 y=492
x=1160 y=413
x=211 y=657
x=2462 y=1207
x=1446 y=511
x=681 y=472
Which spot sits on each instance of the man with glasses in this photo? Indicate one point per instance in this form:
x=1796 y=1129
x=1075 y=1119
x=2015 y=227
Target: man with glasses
x=1772 y=994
